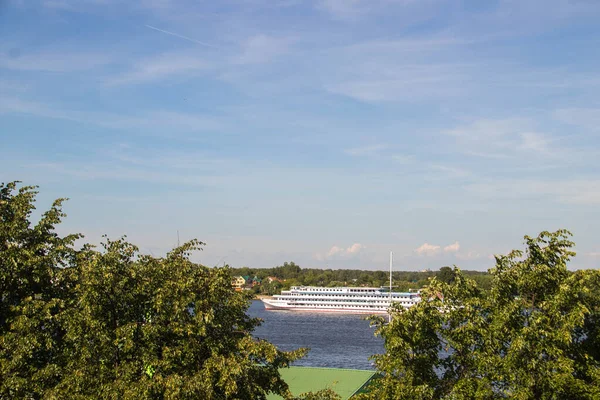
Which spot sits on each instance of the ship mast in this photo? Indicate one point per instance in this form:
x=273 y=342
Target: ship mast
x=391 y=262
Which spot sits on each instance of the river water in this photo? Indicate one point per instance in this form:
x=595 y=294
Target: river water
x=335 y=340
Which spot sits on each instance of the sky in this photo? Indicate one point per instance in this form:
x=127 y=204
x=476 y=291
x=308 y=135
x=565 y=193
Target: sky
x=324 y=132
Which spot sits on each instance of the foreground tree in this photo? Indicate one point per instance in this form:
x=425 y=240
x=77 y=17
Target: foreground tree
x=148 y=327
x=33 y=293
x=117 y=324
x=535 y=336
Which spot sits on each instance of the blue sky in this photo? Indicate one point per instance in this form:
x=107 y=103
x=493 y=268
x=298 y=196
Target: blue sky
x=326 y=132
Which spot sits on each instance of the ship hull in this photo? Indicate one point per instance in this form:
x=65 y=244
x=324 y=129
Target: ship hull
x=320 y=309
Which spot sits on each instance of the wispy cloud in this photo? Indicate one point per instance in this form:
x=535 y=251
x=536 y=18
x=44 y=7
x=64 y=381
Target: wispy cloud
x=151 y=120
x=343 y=9
x=53 y=60
x=470 y=255
x=535 y=142
x=407 y=83
x=355 y=9
x=369 y=150
x=180 y=36
x=165 y=65
x=588 y=118
x=261 y=48
x=404 y=159
x=500 y=138
x=73 y=5
x=450 y=171
x=582 y=192
x=108 y=172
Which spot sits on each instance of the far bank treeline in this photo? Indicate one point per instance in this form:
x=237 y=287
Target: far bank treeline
x=292 y=274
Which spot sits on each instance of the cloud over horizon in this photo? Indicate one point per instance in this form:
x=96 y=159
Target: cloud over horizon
x=427 y=249
x=336 y=252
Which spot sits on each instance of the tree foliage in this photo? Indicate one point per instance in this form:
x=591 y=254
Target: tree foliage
x=112 y=323
x=534 y=336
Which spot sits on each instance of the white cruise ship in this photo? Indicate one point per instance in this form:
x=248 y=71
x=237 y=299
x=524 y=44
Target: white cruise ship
x=350 y=300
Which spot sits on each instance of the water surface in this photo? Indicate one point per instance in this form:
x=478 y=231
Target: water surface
x=335 y=340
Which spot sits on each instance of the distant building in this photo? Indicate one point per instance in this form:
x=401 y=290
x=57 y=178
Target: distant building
x=256 y=281
x=272 y=279
x=238 y=282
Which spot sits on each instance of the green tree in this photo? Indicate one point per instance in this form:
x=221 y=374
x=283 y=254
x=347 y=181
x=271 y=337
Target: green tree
x=33 y=292
x=446 y=275
x=117 y=324
x=145 y=327
x=534 y=336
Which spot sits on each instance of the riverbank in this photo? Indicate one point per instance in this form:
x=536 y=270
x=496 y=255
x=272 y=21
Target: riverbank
x=262 y=296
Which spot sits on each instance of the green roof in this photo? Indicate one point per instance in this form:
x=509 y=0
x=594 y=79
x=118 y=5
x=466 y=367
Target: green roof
x=345 y=382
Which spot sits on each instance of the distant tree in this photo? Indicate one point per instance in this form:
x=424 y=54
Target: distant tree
x=535 y=336
x=446 y=275
x=271 y=288
x=291 y=270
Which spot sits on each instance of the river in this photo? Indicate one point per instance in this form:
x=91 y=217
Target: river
x=335 y=340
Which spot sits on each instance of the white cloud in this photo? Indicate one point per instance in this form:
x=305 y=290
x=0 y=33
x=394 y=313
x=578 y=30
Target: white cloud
x=334 y=251
x=452 y=248
x=355 y=248
x=337 y=252
x=427 y=249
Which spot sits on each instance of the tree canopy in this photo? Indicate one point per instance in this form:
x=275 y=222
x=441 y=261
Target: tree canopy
x=534 y=336
x=112 y=323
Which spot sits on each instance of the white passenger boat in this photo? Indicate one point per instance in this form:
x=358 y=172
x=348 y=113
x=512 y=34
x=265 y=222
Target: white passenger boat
x=350 y=300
